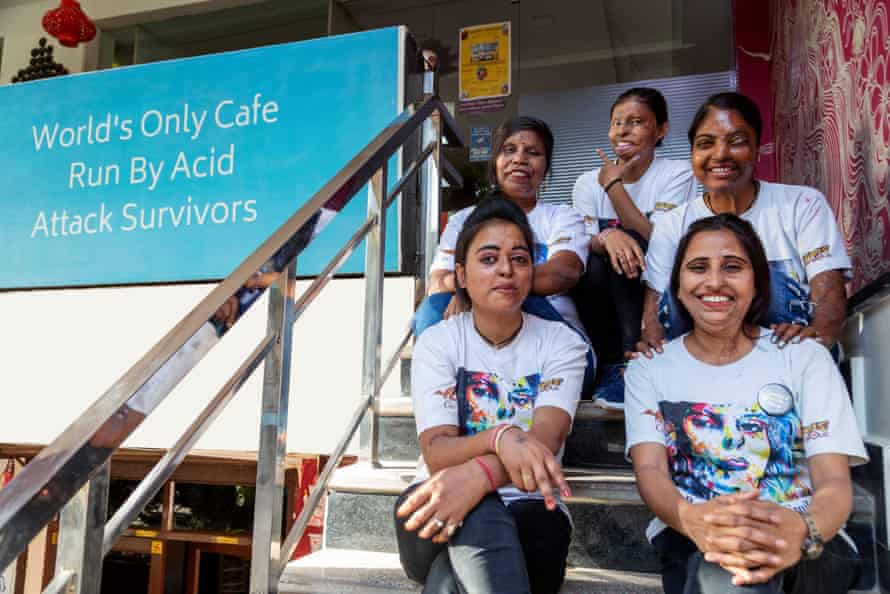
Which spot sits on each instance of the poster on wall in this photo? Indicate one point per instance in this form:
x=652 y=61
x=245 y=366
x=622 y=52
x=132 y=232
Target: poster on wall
x=176 y=171
x=484 y=61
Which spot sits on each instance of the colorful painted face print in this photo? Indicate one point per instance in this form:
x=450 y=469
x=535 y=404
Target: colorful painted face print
x=486 y=399
x=715 y=449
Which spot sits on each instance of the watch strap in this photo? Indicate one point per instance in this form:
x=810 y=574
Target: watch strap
x=813 y=543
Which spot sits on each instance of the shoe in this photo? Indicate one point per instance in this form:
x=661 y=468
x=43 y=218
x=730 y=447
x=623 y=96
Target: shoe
x=610 y=391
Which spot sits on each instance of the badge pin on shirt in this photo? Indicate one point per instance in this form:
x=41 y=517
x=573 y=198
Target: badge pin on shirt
x=775 y=399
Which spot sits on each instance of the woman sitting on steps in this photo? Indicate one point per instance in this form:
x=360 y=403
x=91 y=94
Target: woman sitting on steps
x=495 y=390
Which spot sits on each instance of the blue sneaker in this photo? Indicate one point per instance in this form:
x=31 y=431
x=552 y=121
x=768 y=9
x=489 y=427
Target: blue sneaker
x=610 y=391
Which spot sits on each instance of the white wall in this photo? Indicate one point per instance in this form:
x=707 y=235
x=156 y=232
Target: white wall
x=20 y=26
x=62 y=349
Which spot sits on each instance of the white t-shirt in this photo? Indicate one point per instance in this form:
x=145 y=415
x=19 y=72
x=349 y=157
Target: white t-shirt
x=665 y=185
x=556 y=228
x=459 y=379
x=795 y=225
x=718 y=438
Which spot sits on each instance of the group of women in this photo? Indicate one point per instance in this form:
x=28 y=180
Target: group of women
x=727 y=305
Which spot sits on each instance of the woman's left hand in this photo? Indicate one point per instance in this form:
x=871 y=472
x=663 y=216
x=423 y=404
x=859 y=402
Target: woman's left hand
x=611 y=170
x=438 y=507
x=737 y=521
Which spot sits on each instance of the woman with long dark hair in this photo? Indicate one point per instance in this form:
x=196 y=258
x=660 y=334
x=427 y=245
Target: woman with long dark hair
x=741 y=448
x=808 y=260
x=494 y=390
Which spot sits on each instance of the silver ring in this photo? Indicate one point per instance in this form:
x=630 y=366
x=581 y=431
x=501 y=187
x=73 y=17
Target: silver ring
x=437 y=522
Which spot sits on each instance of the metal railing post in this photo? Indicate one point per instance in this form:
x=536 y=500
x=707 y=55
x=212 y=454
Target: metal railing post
x=430 y=194
x=375 y=251
x=267 y=515
x=81 y=527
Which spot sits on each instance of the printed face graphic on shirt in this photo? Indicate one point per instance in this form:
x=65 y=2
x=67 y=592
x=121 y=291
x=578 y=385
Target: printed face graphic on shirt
x=487 y=399
x=715 y=449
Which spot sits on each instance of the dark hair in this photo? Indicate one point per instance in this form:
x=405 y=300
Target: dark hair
x=742 y=104
x=496 y=207
x=651 y=98
x=511 y=127
x=747 y=236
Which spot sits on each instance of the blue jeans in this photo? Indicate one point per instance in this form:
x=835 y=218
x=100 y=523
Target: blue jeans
x=685 y=571
x=789 y=303
x=515 y=549
x=431 y=311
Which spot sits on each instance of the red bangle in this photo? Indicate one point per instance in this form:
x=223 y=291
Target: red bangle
x=487 y=472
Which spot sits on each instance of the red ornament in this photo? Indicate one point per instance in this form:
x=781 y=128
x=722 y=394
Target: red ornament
x=69 y=24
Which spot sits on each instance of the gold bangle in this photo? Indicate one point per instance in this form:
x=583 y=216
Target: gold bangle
x=497 y=441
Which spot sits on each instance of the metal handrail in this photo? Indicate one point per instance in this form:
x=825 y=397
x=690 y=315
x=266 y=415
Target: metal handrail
x=63 y=467
x=321 y=484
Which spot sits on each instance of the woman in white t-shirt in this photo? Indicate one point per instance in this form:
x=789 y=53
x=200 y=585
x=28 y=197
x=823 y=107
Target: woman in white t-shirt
x=808 y=260
x=494 y=390
x=741 y=449
x=619 y=202
x=522 y=152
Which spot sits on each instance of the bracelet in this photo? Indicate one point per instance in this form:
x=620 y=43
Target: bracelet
x=495 y=434
x=497 y=441
x=487 y=472
x=609 y=185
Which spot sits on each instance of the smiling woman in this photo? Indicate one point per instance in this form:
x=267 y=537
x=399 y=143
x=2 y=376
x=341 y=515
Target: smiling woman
x=521 y=155
x=744 y=494
x=807 y=256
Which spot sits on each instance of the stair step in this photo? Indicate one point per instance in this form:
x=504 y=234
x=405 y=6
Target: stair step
x=597 y=437
x=347 y=571
x=609 y=516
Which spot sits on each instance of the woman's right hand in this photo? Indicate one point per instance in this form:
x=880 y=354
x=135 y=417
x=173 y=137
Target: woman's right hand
x=625 y=254
x=751 y=532
x=446 y=497
x=456 y=306
x=532 y=466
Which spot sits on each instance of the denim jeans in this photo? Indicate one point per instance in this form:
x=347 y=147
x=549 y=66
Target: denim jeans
x=431 y=311
x=515 y=549
x=789 y=303
x=685 y=571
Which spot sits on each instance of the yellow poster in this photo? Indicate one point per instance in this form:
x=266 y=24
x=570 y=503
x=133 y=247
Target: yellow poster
x=485 y=61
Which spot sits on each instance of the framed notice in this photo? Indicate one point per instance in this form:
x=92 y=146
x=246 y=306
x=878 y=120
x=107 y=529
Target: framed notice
x=485 y=61
x=480 y=143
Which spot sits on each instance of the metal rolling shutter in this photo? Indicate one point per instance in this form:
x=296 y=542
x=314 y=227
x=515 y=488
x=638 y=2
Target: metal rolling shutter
x=580 y=121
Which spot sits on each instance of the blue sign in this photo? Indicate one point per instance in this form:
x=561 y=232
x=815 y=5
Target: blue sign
x=480 y=143
x=176 y=171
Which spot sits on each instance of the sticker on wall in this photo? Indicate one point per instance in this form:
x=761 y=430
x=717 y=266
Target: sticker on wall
x=480 y=143
x=485 y=61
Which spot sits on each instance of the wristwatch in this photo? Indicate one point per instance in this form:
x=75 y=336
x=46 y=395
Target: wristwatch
x=813 y=544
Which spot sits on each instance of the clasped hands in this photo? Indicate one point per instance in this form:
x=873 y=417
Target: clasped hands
x=753 y=540
x=438 y=507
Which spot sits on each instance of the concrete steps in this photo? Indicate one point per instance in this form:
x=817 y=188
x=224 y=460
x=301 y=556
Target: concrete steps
x=337 y=571
x=596 y=440
x=609 y=516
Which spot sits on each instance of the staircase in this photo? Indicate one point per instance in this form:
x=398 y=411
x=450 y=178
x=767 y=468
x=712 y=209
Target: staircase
x=608 y=553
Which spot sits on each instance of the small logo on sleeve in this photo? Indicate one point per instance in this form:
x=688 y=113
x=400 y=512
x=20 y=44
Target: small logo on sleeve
x=816 y=254
x=816 y=430
x=664 y=206
x=551 y=384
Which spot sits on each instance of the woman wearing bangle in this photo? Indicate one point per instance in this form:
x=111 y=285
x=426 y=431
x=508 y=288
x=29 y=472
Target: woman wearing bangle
x=741 y=449
x=618 y=202
x=495 y=390
x=808 y=260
